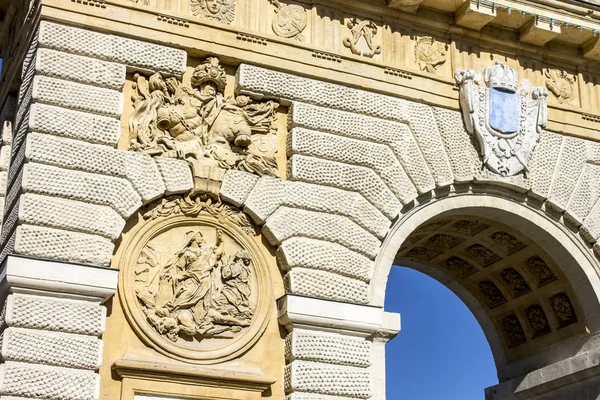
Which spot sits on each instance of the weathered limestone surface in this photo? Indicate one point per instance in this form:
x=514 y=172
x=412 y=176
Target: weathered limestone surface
x=77 y=188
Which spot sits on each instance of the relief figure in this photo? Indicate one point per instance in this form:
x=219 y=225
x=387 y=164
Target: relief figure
x=196 y=292
x=199 y=124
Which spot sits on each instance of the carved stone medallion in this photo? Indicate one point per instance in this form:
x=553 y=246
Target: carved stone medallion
x=560 y=84
x=194 y=288
x=507 y=120
x=429 y=54
x=290 y=20
x=363 y=37
x=218 y=10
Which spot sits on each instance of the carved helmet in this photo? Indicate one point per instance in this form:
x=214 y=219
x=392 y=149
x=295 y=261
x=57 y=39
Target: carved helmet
x=210 y=71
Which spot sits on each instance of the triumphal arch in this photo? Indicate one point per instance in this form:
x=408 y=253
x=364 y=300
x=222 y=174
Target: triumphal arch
x=202 y=199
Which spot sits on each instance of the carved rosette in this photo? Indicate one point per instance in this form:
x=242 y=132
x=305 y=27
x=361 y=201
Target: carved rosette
x=194 y=284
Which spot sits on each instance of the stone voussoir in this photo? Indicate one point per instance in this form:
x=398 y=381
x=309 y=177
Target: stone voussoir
x=236 y=186
x=136 y=167
x=326 y=285
x=272 y=193
x=289 y=222
x=83 y=186
x=395 y=135
x=347 y=177
x=378 y=157
x=301 y=252
x=257 y=80
x=131 y=52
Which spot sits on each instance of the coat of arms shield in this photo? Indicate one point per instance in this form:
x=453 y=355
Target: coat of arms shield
x=507 y=119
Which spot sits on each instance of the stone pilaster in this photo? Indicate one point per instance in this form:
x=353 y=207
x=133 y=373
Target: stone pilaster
x=52 y=323
x=333 y=350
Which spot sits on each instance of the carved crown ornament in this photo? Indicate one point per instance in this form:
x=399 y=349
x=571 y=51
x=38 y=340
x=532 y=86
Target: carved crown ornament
x=197 y=123
x=194 y=285
x=506 y=118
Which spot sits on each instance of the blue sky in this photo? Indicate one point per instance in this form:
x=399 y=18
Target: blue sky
x=441 y=352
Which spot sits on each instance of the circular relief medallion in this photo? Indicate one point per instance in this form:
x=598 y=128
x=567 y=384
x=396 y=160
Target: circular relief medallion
x=195 y=287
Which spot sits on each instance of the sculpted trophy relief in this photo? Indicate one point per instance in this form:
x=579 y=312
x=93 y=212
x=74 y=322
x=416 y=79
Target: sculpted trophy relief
x=199 y=124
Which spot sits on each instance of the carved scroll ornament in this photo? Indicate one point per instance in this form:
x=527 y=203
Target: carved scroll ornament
x=507 y=120
x=365 y=30
x=199 y=124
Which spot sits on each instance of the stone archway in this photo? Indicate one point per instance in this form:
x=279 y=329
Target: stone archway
x=498 y=256
x=363 y=169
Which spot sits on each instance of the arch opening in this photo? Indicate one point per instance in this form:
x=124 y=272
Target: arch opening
x=442 y=351
x=528 y=282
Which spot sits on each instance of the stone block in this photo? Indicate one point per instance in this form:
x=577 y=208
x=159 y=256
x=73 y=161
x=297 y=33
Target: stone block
x=326 y=285
x=543 y=163
x=475 y=15
x=327 y=348
x=137 y=168
x=347 y=177
x=75 y=185
x=430 y=141
x=378 y=157
x=280 y=85
x=296 y=396
x=176 y=175
x=236 y=186
x=460 y=147
x=396 y=135
x=54 y=212
x=289 y=222
x=5 y=151
x=72 y=124
x=270 y=193
x=539 y=31
x=131 y=52
x=328 y=379
x=569 y=167
x=61 y=245
x=42 y=313
x=77 y=96
x=80 y=69
x=585 y=195
x=7 y=132
x=301 y=252
x=51 y=348
x=45 y=382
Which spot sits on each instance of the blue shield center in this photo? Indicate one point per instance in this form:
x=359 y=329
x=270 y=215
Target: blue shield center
x=504 y=111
